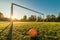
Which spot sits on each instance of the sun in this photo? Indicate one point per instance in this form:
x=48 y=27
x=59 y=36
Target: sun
x=13 y=17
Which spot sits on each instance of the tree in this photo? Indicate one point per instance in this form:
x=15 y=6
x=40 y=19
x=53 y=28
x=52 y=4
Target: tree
x=1 y=15
x=24 y=18
x=5 y=19
x=53 y=18
x=58 y=18
x=32 y=18
x=39 y=19
x=48 y=18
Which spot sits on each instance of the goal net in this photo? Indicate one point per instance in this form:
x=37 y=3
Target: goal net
x=22 y=13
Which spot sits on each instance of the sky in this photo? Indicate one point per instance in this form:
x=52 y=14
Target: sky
x=47 y=7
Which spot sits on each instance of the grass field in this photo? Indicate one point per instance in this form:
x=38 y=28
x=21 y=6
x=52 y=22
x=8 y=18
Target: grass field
x=46 y=30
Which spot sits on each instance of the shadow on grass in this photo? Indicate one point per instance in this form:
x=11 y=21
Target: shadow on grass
x=9 y=36
x=3 y=30
x=34 y=38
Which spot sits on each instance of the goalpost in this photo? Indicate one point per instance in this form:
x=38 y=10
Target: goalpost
x=12 y=16
x=13 y=4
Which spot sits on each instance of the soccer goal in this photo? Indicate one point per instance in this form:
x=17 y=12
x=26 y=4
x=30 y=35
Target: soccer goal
x=23 y=13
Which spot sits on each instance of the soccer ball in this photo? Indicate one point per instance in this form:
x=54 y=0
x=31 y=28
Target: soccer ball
x=32 y=32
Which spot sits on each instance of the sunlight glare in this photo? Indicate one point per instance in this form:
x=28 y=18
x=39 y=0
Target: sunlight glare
x=13 y=17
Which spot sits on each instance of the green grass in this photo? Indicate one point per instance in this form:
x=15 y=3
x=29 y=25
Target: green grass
x=3 y=25
x=3 y=31
x=49 y=30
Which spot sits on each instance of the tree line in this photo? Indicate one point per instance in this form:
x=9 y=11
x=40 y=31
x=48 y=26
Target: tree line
x=49 y=18
x=34 y=18
x=2 y=18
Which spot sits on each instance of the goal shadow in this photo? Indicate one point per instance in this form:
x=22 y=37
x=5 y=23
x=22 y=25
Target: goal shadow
x=3 y=30
x=9 y=36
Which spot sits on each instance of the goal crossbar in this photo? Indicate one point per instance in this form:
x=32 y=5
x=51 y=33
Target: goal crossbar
x=24 y=8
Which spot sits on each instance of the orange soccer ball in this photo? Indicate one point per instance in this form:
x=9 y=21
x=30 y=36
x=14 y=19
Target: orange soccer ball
x=32 y=32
